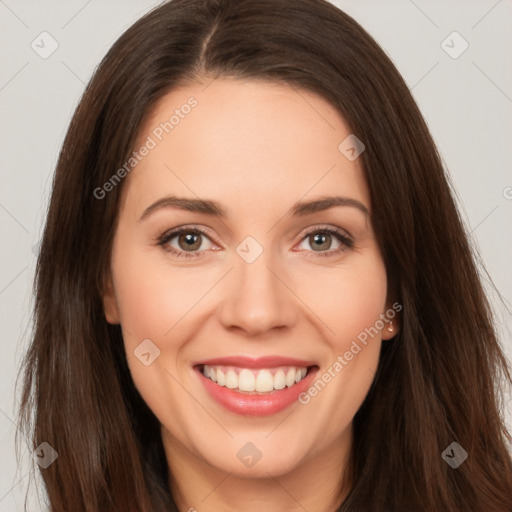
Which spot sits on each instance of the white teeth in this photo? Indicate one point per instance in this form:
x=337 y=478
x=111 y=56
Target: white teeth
x=249 y=380
x=231 y=380
x=246 y=380
x=264 y=381
x=290 y=377
x=279 y=380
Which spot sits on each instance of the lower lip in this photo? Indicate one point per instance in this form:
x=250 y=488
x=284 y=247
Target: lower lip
x=257 y=405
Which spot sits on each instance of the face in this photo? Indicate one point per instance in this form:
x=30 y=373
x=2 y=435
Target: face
x=245 y=303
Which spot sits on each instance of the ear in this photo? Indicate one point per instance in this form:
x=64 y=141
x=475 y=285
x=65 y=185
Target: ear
x=391 y=320
x=110 y=307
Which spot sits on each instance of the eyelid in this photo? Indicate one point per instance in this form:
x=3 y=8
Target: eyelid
x=327 y=227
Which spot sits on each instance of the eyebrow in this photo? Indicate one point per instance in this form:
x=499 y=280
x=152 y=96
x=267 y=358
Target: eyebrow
x=213 y=208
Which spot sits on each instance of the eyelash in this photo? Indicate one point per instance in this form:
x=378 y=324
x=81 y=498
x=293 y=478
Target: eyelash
x=346 y=242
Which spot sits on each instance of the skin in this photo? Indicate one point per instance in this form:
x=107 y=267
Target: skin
x=256 y=148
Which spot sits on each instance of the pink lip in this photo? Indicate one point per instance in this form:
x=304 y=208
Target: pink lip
x=256 y=405
x=257 y=362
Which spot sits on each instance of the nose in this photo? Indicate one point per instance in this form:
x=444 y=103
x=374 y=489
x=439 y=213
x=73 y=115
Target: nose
x=258 y=298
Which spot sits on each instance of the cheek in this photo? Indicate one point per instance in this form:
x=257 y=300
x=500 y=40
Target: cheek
x=153 y=304
x=348 y=300
x=157 y=303
x=152 y=299
x=350 y=304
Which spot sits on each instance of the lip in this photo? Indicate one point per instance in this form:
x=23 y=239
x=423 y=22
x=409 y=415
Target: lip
x=256 y=362
x=253 y=404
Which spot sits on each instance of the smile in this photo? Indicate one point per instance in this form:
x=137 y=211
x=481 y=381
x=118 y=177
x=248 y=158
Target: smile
x=255 y=387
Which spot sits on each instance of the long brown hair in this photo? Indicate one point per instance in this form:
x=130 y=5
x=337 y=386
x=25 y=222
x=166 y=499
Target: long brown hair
x=438 y=381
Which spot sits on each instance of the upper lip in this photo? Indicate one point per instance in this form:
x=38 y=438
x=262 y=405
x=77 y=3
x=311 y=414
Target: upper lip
x=256 y=362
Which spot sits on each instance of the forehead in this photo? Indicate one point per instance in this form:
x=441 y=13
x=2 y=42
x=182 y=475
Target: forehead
x=248 y=142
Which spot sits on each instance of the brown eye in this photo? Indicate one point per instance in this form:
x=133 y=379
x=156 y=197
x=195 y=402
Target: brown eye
x=189 y=241
x=185 y=242
x=320 y=241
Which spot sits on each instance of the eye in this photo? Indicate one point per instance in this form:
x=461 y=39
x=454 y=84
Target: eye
x=321 y=240
x=185 y=242
x=188 y=242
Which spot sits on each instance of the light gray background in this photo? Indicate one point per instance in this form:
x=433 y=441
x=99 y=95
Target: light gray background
x=466 y=101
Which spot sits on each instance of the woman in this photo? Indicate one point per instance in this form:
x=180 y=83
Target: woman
x=254 y=287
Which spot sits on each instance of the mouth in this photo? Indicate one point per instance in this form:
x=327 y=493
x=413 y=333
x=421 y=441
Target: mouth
x=255 y=387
